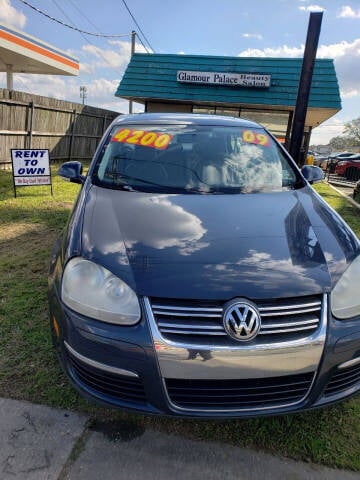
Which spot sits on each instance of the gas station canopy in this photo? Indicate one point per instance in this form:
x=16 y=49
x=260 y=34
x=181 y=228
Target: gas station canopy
x=22 y=53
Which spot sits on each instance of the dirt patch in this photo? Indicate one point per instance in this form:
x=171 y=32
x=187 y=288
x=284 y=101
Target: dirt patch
x=12 y=230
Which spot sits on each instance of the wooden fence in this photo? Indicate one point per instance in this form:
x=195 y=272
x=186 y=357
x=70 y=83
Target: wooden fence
x=70 y=131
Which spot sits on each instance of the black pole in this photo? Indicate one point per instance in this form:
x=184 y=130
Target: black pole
x=312 y=40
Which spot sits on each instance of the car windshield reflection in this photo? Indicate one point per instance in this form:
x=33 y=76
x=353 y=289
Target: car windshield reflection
x=193 y=159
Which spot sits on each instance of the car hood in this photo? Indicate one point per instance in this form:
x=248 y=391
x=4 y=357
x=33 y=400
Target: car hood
x=269 y=245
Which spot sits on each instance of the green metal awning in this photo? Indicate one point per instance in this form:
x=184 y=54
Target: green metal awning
x=156 y=78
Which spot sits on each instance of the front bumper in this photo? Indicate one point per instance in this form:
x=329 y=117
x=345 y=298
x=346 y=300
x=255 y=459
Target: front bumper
x=130 y=368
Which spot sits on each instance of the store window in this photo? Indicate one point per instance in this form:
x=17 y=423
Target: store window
x=275 y=121
x=227 y=111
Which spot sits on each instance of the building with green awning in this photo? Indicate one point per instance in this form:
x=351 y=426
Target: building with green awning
x=261 y=89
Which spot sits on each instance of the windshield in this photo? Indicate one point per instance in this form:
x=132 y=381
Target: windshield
x=193 y=159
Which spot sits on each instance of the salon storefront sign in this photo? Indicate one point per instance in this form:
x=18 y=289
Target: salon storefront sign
x=224 y=78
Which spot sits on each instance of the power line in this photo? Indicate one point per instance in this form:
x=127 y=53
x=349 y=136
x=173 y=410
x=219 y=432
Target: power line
x=86 y=39
x=66 y=15
x=143 y=44
x=138 y=26
x=72 y=27
x=91 y=23
x=83 y=14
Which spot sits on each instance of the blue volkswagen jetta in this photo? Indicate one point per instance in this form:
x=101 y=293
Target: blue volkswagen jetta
x=201 y=275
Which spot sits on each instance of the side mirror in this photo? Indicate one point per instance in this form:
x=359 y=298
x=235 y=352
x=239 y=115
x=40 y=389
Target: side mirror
x=312 y=174
x=72 y=171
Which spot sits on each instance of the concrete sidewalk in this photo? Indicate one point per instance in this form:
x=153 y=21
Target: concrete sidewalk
x=346 y=192
x=40 y=443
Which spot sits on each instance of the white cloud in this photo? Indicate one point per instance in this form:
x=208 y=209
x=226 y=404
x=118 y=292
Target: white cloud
x=10 y=15
x=283 y=51
x=101 y=91
x=312 y=8
x=257 y=36
x=322 y=134
x=46 y=85
x=346 y=57
x=350 y=93
x=347 y=63
x=101 y=87
x=87 y=68
x=106 y=57
x=139 y=48
x=116 y=57
x=348 y=12
x=117 y=105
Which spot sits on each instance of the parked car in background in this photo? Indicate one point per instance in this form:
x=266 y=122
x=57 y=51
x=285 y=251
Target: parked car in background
x=200 y=274
x=349 y=167
x=333 y=159
x=338 y=155
x=356 y=193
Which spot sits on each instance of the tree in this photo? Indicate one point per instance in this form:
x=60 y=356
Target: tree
x=340 y=143
x=352 y=130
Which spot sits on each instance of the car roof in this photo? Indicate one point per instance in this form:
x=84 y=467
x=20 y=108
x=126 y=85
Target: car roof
x=353 y=156
x=342 y=154
x=184 y=118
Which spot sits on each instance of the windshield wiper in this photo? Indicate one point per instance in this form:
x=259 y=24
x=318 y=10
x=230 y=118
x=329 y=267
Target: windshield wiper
x=129 y=177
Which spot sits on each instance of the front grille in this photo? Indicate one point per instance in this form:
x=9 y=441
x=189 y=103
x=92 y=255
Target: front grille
x=119 y=387
x=240 y=394
x=190 y=321
x=343 y=379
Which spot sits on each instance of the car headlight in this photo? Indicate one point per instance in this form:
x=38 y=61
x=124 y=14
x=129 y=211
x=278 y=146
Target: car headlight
x=92 y=290
x=345 y=298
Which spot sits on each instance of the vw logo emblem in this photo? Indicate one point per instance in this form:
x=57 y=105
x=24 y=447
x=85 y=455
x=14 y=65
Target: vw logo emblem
x=242 y=320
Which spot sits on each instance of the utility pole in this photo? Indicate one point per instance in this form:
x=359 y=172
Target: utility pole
x=312 y=40
x=133 y=40
x=83 y=93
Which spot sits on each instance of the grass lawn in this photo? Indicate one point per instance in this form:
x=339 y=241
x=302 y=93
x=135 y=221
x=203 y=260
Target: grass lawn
x=29 y=370
x=350 y=214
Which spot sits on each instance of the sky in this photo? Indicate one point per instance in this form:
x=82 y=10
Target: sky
x=259 y=28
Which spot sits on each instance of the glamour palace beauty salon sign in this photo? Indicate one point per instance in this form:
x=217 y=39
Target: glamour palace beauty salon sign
x=224 y=79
